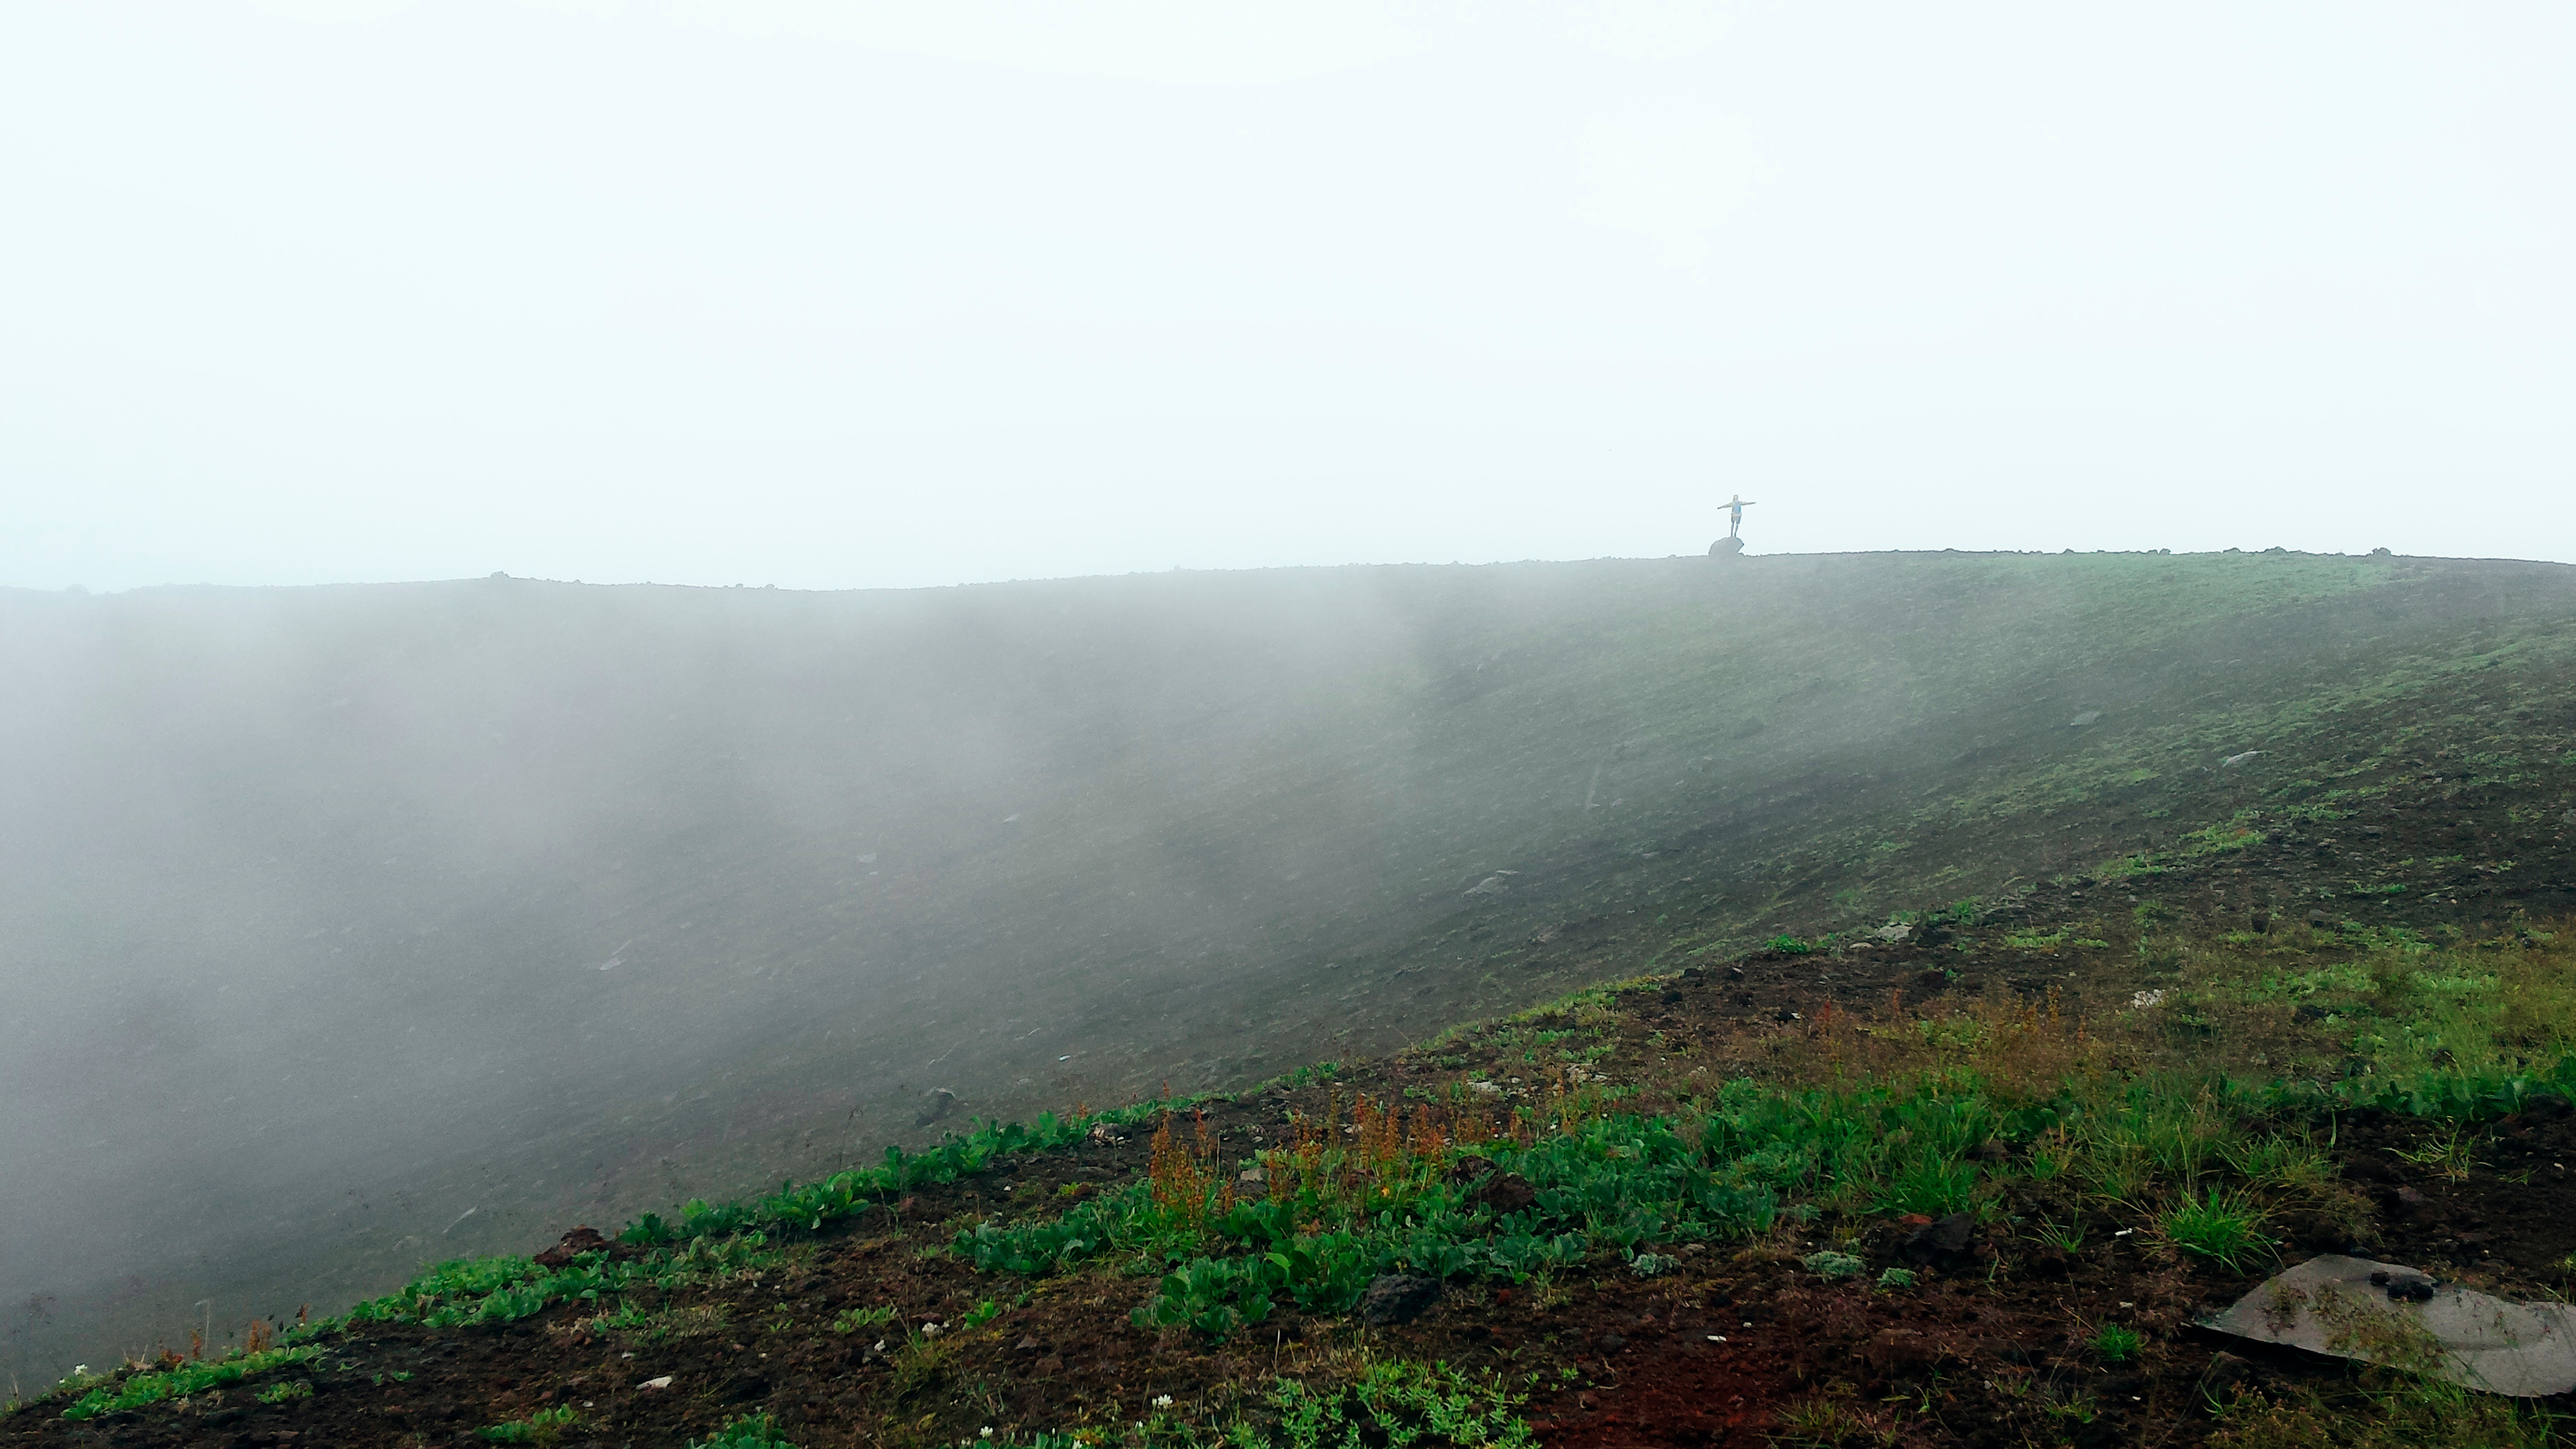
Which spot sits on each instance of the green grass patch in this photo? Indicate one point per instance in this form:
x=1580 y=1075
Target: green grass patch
x=151 y=1388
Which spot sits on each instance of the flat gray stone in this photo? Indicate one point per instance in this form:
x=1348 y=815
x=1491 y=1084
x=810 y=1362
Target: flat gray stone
x=2388 y=1313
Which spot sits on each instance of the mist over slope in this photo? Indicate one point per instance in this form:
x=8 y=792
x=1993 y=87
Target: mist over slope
x=347 y=928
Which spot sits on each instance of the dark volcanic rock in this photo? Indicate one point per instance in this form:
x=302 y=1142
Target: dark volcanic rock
x=1397 y=1298
x=1506 y=1192
x=576 y=1242
x=1948 y=1244
x=935 y=1106
x=2414 y=1206
x=2226 y=1371
x=746 y=1386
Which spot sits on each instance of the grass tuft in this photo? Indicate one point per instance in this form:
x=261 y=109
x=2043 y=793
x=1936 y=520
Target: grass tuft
x=753 y=1431
x=2216 y=1223
x=2114 y=1343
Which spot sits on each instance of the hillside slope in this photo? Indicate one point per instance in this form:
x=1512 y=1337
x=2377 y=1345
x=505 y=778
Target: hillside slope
x=1969 y=1182
x=407 y=921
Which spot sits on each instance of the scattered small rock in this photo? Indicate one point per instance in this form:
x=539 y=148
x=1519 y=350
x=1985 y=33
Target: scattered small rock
x=746 y=1386
x=937 y=1105
x=1395 y=1298
x=2405 y=1287
x=575 y=1243
x=2414 y=1206
x=2226 y=1371
x=1948 y=1244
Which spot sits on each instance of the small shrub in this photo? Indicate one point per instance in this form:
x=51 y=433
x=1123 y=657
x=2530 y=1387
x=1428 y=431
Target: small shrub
x=1895 y=1278
x=1830 y=1264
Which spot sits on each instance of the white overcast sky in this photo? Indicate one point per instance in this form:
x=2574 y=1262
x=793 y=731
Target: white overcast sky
x=843 y=294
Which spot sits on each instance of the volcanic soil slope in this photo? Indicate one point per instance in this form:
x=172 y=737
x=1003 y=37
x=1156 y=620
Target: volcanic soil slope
x=1970 y=1177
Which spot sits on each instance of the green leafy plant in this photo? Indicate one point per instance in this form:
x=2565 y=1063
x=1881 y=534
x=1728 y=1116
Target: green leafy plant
x=279 y=1393
x=184 y=1379
x=1894 y=1278
x=545 y=1426
x=1400 y=1403
x=1216 y=1297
